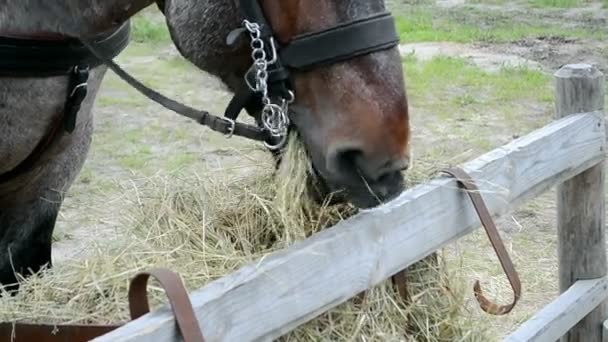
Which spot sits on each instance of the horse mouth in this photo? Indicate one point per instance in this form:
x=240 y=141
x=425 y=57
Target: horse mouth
x=365 y=195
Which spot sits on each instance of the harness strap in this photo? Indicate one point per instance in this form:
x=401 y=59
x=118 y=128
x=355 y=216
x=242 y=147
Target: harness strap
x=66 y=118
x=138 y=304
x=23 y=57
x=487 y=222
x=38 y=57
x=215 y=123
x=340 y=43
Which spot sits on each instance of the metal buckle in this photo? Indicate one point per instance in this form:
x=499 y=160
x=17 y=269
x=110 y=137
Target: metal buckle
x=80 y=74
x=78 y=86
x=231 y=128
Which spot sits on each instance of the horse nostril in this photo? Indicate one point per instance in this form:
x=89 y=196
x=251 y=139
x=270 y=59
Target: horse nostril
x=345 y=162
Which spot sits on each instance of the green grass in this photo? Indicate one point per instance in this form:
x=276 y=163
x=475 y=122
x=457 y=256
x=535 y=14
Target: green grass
x=132 y=100
x=556 y=3
x=147 y=30
x=467 y=81
x=427 y=24
x=453 y=90
x=136 y=160
x=179 y=160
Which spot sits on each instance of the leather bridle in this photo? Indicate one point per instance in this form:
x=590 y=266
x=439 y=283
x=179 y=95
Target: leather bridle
x=308 y=51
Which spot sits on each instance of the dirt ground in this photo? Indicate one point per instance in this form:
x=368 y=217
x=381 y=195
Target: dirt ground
x=136 y=139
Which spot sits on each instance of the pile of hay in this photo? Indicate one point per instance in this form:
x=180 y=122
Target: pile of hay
x=205 y=229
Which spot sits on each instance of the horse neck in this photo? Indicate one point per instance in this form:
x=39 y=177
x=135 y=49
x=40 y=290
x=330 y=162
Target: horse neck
x=75 y=18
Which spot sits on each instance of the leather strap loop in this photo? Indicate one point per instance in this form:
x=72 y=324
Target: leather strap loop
x=487 y=222
x=178 y=298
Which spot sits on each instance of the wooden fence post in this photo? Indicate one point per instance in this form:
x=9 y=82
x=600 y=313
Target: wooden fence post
x=580 y=201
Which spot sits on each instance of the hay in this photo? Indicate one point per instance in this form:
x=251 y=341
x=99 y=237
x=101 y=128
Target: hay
x=205 y=229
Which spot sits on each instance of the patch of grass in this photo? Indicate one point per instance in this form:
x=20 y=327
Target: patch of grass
x=489 y=2
x=136 y=161
x=125 y=101
x=179 y=160
x=467 y=85
x=425 y=24
x=555 y=3
x=514 y=83
x=147 y=30
x=473 y=108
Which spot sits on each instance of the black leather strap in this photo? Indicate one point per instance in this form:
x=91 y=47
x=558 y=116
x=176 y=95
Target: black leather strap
x=216 y=123
x=77 y=92
x=38 y=58
x=66 y=119
x=243 y=98
x=341 y=43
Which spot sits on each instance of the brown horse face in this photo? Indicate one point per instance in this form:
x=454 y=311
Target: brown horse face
x=352 y=116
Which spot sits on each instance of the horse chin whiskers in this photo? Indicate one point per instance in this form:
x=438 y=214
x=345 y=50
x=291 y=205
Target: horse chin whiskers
x=368 y=187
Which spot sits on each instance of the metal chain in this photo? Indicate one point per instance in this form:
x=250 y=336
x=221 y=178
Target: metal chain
x=274 y=115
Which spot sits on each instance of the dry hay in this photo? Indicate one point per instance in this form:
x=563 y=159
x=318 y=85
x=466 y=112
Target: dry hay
x=205 y=229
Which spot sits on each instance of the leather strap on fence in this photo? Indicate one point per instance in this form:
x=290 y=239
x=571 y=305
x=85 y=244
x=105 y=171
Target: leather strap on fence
x=138 y=305
x=501 y=252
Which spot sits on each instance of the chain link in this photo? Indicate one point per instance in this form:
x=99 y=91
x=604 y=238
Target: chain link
x=274 y=115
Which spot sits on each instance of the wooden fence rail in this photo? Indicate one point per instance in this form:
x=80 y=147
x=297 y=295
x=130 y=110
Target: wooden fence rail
x=278 y=293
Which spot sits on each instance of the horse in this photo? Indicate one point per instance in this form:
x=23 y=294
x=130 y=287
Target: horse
x=327 y=69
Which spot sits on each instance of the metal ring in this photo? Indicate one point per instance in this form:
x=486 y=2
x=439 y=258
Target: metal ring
x=292 y=97
x=257 y=44
x=278 y=146
x=259 y=55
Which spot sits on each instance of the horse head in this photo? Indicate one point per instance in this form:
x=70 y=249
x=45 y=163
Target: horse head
x=352 y=115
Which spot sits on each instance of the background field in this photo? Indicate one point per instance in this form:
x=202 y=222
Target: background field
x=478 y=74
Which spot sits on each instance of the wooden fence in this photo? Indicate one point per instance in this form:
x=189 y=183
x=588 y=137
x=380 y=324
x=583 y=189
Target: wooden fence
x=278 y=293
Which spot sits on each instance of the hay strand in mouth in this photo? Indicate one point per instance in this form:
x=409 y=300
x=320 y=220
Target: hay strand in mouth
x=207 y=228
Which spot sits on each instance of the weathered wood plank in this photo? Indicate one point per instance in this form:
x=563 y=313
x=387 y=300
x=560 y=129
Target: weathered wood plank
x=580 y=201
x=280 y=292
x=555 y=319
